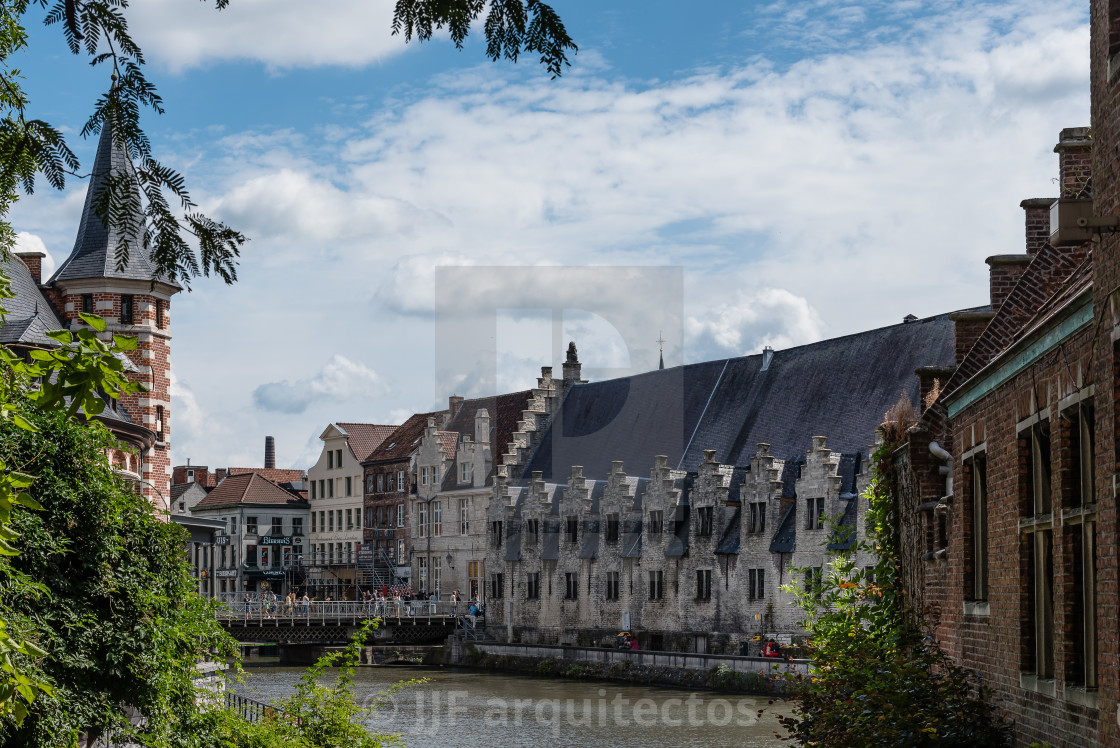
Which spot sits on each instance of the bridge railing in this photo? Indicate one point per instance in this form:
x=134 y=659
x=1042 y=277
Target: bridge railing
x=252 y=710
x=262 y=612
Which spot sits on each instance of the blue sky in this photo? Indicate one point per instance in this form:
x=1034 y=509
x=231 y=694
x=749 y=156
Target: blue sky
x=814 y=168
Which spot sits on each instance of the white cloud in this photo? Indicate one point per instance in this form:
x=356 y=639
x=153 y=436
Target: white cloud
x=340 y=379
x=279 y=33
x=28 y=242
x=770 y=317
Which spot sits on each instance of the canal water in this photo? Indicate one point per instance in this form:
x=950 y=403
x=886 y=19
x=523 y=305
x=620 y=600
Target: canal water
x=471 y=708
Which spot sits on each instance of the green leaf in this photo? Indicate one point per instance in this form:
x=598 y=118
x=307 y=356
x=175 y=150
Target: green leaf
x=125 y=342
x=62 y=336
x=7 y=549
x=94 y=321
x=24 y=499
x=23 y=423
x=40 y=355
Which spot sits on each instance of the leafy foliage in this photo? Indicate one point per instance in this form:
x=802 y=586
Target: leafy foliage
x=878 y=680
x=112 y=603
x=511 y=27
x=318 y=715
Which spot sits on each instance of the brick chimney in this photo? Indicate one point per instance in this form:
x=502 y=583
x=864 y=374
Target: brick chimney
x=34 y=263
x=1003 y=273
x=1074 y=151
x=1037 y=211
x=572 y=368
x=454 y=402
x=269 y=452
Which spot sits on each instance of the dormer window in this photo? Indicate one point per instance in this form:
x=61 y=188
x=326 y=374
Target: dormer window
x=465 y=473
x=127 y=309
x=424 y=474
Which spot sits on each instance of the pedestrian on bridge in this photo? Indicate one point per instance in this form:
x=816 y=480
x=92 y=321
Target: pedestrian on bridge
x=454 y=602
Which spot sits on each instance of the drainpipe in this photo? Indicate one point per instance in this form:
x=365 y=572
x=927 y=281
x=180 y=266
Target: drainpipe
x=947 y=469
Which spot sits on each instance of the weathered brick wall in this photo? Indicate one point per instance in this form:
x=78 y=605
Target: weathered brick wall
x=1106 y=278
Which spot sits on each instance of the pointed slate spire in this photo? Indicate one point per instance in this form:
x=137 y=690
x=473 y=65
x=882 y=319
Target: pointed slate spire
x=95 y=249
x=661 y=351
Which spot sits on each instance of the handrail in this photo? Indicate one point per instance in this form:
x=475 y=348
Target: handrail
x=265 y=613
x=252 y=710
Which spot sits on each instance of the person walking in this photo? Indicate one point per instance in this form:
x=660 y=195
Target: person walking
x=454 y=602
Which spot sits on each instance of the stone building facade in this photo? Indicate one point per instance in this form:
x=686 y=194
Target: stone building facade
x=693 y=556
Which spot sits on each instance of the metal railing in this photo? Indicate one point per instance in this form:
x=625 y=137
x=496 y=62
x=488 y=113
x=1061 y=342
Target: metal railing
x=317 y=611
x=252 y=710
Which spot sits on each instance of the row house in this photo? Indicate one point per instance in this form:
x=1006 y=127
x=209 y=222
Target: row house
x=1010 y=497
x=335 y=498
x=389 y=475
x=262 y=536
x=456 y=466
x=692 y=557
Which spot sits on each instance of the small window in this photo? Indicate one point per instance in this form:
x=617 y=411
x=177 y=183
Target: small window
x=464 y=516
x=496 y=534
x=656 y=588
x=704 y=514
x=612 y=528
x=330 y=488
x=297 y=525
x=656 y=522
x=437 y=518
x=465 y=472
x=815 y=514
x=127 y=309
x=250 y=525
x=497 y=586
x=314 y=526
x=400 y=515
x=380 y=483
x=349 y=519
x=338 y=458
x=533 y=586
x=611 y=592
x=277 y=525
x=330 y=459
x=400 y=480
x=424 y=474
x=159 y=422
x=571 y=586
x=757 y=517
x=756 y=584
x=349 y=486
x=571 y=530
x=532 y=531
x=159 y=313
x=87 y=303
x=703 y=584
x=312 y=490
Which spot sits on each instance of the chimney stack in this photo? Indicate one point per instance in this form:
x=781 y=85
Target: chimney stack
x=269 y=452
x=454 y=402
x=1075 y=160
x=1038 y=222
x=34 y=263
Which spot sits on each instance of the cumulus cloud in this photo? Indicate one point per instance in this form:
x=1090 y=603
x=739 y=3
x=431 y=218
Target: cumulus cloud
x=28 y=242
x=340 y=379
x=770 y=317
x=279 y=33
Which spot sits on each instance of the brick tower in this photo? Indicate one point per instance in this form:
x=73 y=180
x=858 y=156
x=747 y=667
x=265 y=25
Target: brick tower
x=133 y=301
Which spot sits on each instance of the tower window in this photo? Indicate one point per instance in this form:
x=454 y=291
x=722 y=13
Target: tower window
x=127 y=315
x=159 y=313
x=159 y=422
x=87 y=303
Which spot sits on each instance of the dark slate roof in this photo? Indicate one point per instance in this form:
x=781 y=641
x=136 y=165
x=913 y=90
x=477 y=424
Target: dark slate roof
x=30 y=317
x=590 y=546
x=786 y=535
x=838 y=388
x=844 y=536
x=550 y=546
x=632 y=540
x=95 y=249
x=729 y=543
x=513 y=546
x=404 y=439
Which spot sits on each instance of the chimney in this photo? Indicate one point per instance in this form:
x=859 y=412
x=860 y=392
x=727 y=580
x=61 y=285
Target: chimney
x=1038 y=222
x=968 y=326
x=269 y=452
x=34 y=263
x=767 y=357
x=219 y=475
x=1003 y=274
x=453 y=404
x=482 y=426
x=1074 y=151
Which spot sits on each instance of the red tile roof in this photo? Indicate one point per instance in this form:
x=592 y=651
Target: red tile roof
x=248 y=488
x=448 y=442
x=365 y=437
x=276 y=475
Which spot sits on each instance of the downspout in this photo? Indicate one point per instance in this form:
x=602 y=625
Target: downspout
x=947 y=469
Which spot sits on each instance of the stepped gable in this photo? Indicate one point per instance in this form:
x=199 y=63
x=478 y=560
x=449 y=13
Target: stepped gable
x=505 y=413
x=364 y=437
x=839 y=387
x=95 y=249
x=248 y=488
x=30 y=317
